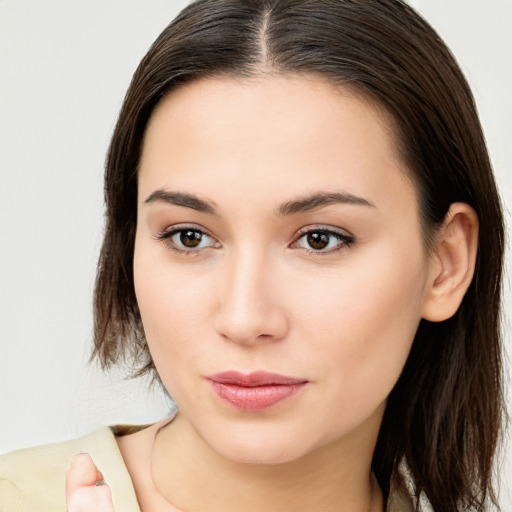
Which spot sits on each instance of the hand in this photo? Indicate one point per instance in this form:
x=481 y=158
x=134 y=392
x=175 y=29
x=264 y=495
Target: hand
x=86 y=490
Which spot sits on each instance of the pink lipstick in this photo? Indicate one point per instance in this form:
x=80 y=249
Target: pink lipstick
x=256 y=391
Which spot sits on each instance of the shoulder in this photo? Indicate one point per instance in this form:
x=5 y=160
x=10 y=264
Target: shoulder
x=34 y=478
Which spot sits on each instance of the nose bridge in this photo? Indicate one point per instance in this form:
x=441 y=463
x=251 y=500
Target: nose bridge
x=249 y=308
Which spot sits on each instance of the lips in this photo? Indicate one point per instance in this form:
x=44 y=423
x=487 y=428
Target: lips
x=256 y=391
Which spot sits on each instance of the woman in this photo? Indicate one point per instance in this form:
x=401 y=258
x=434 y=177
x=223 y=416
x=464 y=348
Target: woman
x=304 y=245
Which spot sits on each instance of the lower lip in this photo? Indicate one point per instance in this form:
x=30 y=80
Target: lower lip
x=254 y=399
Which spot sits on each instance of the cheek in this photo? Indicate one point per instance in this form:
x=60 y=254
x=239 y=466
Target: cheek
x=171 y=304
x=365 y=320
x=170 y=308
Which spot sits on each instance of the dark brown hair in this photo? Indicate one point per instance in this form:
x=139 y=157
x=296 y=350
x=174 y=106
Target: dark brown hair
x=443 y=417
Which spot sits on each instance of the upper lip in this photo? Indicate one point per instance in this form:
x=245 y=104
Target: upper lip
x=254 y=379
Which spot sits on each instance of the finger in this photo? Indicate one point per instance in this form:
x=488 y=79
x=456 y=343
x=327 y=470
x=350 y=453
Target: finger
x=82 y=473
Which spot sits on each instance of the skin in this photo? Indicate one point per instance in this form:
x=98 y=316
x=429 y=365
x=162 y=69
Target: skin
x=255 y=295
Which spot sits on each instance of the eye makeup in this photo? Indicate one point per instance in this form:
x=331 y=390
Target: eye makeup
x=191 y=240
x=323 y=240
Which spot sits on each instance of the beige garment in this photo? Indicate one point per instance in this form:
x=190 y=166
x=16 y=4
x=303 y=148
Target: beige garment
x=33 y=479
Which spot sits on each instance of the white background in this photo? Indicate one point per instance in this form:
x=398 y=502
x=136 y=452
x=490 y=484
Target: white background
x=64 y=69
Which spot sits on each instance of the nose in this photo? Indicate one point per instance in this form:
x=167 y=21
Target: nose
x=251 y=311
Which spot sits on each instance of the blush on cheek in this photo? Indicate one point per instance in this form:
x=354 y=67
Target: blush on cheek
x=375 y=330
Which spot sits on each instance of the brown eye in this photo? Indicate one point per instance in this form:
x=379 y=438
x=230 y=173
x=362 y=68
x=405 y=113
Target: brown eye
x=318 y=240
x=190 y=238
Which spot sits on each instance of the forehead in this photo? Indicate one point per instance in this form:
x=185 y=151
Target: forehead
x=296 y=133
x=263 y=99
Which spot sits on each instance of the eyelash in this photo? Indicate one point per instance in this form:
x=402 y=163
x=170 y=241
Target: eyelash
x=344 y=239
x=166 y=236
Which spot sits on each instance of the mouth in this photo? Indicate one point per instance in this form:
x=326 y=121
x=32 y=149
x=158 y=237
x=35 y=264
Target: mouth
x=256 y=391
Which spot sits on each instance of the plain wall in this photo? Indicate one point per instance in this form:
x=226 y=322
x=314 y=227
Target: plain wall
x=64 y=69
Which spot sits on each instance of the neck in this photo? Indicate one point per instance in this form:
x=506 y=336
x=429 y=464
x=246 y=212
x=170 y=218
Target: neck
x=335 y=477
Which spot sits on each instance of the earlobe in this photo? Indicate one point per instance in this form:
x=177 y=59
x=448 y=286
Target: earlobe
x=452 y=263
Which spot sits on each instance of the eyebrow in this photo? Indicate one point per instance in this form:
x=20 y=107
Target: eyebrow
x=182 y=199
x=308 y=203
x=320 y=200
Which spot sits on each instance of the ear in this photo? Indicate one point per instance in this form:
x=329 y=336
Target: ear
x=452 y=263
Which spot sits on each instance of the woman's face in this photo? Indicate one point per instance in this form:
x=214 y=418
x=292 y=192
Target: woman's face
x=277 y=232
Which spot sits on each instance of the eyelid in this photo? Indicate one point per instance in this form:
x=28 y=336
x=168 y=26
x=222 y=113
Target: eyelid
x=325 y=228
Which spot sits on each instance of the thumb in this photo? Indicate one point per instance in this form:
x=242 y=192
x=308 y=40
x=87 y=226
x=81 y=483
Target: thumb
x=82 y=473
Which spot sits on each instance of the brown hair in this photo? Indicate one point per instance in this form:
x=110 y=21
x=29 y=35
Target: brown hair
x=444 y=415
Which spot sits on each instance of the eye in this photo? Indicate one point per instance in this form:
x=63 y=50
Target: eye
x=323 y=240
x=187 y=239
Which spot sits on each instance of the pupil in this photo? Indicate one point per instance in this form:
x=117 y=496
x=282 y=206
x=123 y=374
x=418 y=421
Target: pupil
x=190 y=238
x=318 y=240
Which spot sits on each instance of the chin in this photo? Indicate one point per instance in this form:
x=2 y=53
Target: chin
x=264 y=447
x=260 y=455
